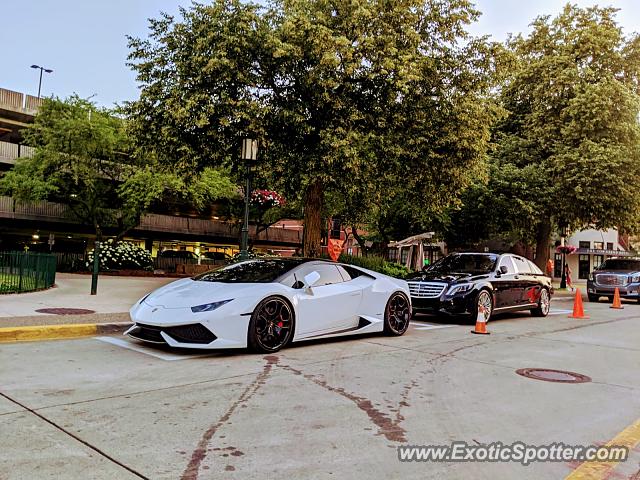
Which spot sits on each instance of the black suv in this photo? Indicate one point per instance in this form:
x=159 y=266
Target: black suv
x=466 y=283
x=621 y=272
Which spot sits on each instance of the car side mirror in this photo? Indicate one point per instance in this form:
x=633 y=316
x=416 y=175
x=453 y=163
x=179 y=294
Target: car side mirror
x=502 y=270
x=311 y=279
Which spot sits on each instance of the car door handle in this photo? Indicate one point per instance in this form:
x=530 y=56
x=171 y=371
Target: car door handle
x=517 y=277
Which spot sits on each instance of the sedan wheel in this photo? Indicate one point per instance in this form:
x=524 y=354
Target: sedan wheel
x=543 y=304
x=397 y=314
x=484 y=304
x=271 y=325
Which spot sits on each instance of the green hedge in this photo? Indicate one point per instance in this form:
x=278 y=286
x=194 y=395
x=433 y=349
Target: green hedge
x=377 y=264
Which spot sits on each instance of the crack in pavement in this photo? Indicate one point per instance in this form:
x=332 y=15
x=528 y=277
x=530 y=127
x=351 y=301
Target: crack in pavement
x=189 y=384
x=200 y=452
x=75 y=437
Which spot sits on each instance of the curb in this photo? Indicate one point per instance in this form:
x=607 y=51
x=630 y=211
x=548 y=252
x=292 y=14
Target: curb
x=59 y=332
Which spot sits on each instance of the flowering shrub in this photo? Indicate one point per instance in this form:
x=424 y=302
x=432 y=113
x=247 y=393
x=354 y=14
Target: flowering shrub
x=121 y=255
x=266 y=198
x=567 y=249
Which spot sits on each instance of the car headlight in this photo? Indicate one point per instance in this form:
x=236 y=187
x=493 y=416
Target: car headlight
x=207 y=307
x=465 y=287
x=635 y=278
x=591 y=277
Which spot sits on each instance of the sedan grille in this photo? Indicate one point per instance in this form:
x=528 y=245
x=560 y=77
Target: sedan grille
x=611 y=279
x=193 y=333
x=426 y=289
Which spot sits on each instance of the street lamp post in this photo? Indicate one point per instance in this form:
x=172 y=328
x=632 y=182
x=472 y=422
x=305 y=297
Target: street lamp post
x=42 y=69
x=96 y=268
x=249 y=155
x=563 y=277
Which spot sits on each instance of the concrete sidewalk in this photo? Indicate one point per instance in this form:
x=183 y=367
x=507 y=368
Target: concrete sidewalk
x=115 y=296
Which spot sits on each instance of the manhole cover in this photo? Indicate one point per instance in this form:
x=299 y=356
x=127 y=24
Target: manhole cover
x=549 y=375
x=65 y=311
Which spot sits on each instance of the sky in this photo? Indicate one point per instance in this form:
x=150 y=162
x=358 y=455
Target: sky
x=84 y=41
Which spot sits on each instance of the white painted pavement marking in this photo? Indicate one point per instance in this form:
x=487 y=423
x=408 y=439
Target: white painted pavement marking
x=559 y=312
x=429 y=326
x=169 y=357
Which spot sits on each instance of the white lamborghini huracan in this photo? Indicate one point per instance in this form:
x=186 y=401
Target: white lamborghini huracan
x=264 y=304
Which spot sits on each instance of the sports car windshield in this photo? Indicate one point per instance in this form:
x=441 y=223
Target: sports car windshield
x=251 y=271
x=467 y=263
x=620 y=264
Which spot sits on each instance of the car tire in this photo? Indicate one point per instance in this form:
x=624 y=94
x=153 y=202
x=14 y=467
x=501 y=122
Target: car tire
x=486 y=299
x=544 y=304
x=397 y=314
x=593 y=298
x=272 y=325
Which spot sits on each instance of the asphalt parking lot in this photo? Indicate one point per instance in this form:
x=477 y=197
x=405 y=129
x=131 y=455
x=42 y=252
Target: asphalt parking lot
x=111 y=408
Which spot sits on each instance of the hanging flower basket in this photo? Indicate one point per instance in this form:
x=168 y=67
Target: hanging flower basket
x=266 y=199
x=567 y=249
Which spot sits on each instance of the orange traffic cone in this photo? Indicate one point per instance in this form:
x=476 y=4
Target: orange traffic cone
x=481 y=322
x=578 y=309
x=616 y=300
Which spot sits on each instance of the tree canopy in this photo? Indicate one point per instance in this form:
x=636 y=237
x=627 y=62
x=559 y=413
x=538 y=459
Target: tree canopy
x=361 y=100
x=567 y=153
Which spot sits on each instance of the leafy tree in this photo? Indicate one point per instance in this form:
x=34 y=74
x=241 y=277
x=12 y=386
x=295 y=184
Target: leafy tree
x=571 y=139
x=84 y=158
x=360 y=99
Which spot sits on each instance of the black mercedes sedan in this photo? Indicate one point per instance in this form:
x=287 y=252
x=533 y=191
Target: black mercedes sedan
x=460 y=283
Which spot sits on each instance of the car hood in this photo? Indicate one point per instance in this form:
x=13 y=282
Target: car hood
x=445 y=277
x=188 y=293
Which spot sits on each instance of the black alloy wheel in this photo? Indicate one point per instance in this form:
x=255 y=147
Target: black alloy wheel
x=271 y=326
x=397 y=314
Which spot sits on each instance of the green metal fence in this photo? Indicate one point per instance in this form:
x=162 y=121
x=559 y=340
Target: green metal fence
x=25 y=272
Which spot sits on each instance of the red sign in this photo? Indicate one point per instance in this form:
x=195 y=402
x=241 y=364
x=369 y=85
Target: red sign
x=335 y=248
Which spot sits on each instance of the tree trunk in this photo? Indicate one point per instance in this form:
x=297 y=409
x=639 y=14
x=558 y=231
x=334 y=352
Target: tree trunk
x=360 y=240
x=98 y=231
x=313 y=203
x=543 y=236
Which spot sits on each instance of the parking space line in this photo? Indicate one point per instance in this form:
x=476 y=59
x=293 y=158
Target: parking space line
x=169 y=357
x=559 y=312
x=629 y=438
x=429 y=326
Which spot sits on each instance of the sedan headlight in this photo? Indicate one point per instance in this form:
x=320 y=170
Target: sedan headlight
x=635 y=278
x=465 y=287
x=207 y=307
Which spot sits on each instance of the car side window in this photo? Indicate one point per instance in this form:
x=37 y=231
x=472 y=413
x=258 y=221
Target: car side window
x=522 y=265
x=533 y=268
x=346 y=274
x=329 y=274
x=507 y=262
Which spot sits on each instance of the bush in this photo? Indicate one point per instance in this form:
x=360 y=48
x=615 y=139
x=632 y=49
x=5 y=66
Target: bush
x=377 y=264
x=120 y=256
